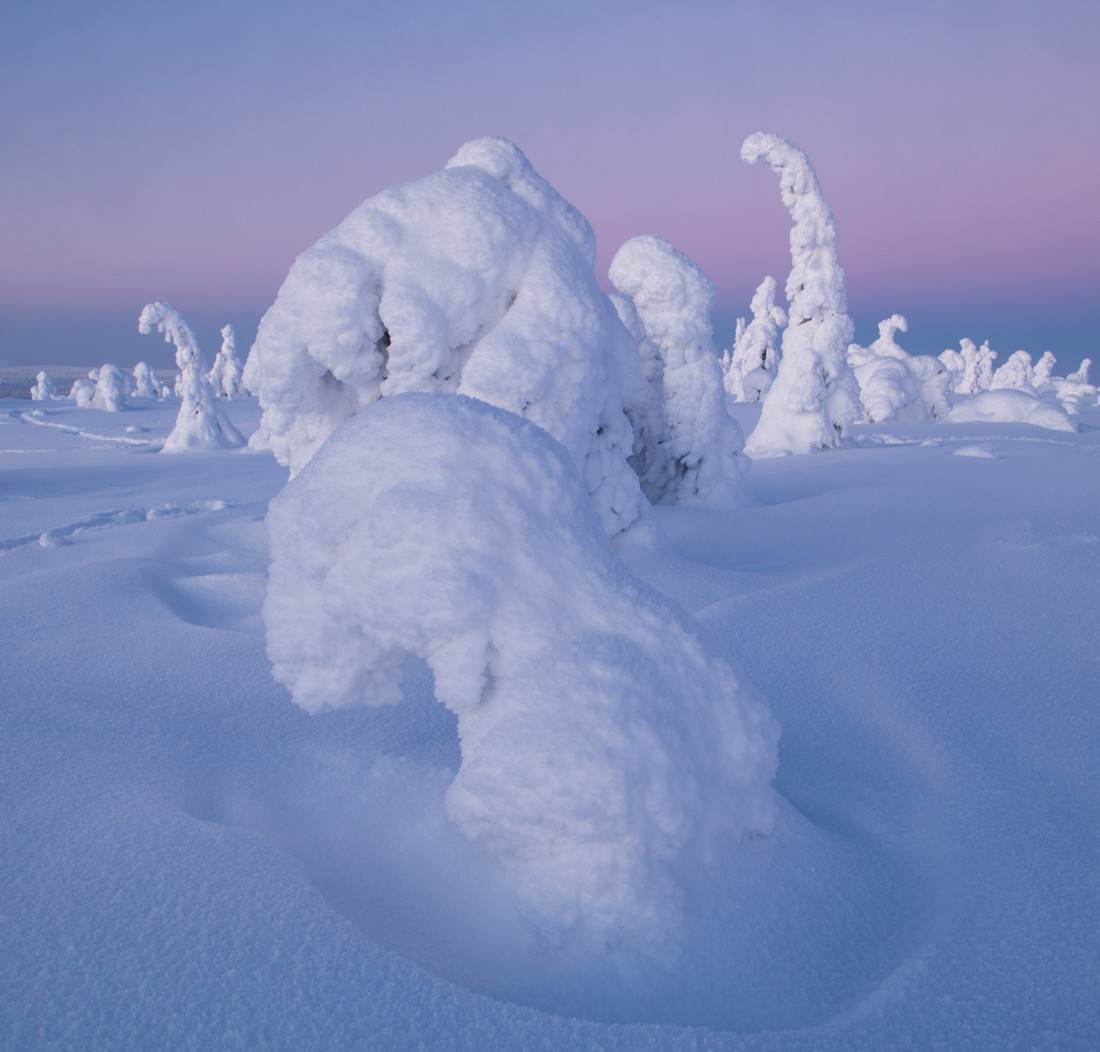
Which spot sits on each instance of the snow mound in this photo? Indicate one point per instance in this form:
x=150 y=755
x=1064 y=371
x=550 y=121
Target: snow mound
x=980 y=452
x=1005 y=406
x=600 y=745
x=479 y=280
x=702 y=442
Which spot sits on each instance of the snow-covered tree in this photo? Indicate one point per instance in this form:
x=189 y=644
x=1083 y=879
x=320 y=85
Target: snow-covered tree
x=1042 y=372
x=673 y=300
x=145 y=381
x=478 y=279
x=1080 y=375
x=82 y=392
x=984 y=371
x=43 y=389
x=815 y=396
x=1074 y=390
x=754 y=359
x=601 y=748
x=202 y=422
x=1014 y=373
x=225 y=376
x=110 y=390
x=966 y=382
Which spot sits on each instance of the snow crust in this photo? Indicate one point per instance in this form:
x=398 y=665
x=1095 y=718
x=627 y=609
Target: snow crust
x=693 y=455
x=601 y=746
x=1007 y=406
x=815 y=396
x=478 y=279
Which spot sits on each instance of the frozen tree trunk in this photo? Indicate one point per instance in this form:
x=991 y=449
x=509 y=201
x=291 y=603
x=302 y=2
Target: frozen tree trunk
x=673 y=298
x=754 y=359
x=201 y=422
x=815 y=396
x=43 y=389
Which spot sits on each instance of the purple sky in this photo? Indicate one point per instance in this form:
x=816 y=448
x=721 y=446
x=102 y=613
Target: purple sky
x=188 y=152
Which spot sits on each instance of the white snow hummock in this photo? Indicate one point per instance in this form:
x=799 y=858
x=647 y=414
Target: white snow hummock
x=753 y=361
x=815 y=396
x=110 y=389
x=43 y=389
x=1006 y=406
x=600 y=745
x=145 y=381
x=701 y=442
x=478 y=279
x=201 y=423
x=225 y=374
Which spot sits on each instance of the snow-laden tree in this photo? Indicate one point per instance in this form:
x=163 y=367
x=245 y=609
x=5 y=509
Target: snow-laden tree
x=815 y=396
x=985 y=368
x=1074 y=390
x=479 y=279
x=145 y=381
x=225 y=375
x=601 y=748
x=954 y=363
x=754 y=359
x=83 y=393
x=110 y=389
x=1042 y=372
x=43 y=389
x=202 y=422
x=966 y=382
x=701 y=441
x=1080 y=375
x=1013 y=374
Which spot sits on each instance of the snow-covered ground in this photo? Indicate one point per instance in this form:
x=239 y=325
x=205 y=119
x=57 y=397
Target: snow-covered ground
x=190 y=861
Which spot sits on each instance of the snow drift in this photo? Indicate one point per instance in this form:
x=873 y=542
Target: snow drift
x=478 y=279
x=600 y=744
x=701 y=442
x=1005 y=406
x=815 y=396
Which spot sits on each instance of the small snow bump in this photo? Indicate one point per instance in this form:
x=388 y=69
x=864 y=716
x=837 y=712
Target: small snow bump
x=981 y=452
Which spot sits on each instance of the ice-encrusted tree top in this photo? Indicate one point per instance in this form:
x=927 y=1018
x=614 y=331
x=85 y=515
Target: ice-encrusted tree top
x=815 y=395
x=673 y=299
x=755 y=355
x=225 y=374
x=478 y=279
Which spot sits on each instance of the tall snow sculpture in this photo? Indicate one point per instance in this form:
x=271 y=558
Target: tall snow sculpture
x=601 y=747
x=145 y=381
x=815 y=395
x=201 y=422
x=1013 y=374
x=673 y=299
x=755 y=356
x=83 y=393
x=478 y=279
x=43 y=389
x=225 y=375
x=984 y=369
x=110 y=390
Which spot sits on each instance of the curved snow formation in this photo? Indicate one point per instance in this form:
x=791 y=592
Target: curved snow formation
x=815 y=396
x=600 y=744
x=478 y=279
x=201 y=422
x=702 y=443
x=1005 y=406
x=896 y=385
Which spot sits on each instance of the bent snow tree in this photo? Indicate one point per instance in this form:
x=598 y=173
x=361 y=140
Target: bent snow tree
x=815 y=396
x=201 y=422
x=479 y=279
x=601 y=748
x=754 y=359
x=701 y=442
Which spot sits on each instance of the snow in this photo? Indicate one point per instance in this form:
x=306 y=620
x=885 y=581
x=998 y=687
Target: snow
x=1015 y=374
x=478 y=279
x=895 y=385
x=190 y=860
x=1008 y=406
x=225 y=374
x=110 y=389
x=754 y=358
x=815 y=396
x=145 y=381
x=699 y=441
x=43 y=390
x=82 y=393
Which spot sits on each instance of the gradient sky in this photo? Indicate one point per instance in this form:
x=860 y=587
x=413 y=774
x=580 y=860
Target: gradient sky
x=189 y=151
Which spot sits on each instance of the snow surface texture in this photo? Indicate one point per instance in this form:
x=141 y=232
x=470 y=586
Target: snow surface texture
x=754 y=359
x=815 y=395
x=201 y=423
x=600 y=744
x=701 y=442
x=478 y=279
x=225 y=375
x=43 y=390
x=1008 y=406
